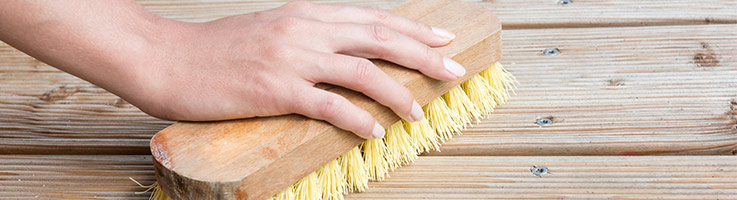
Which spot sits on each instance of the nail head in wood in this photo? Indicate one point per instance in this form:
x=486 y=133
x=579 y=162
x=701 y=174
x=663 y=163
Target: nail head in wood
x=539 y=170
x=543 y=121
x=551 y=51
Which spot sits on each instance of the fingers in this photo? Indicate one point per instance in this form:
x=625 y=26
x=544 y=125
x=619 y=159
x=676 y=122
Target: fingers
x=376 y=41
x=362 y=75
x=421 y=32
x=337 y=110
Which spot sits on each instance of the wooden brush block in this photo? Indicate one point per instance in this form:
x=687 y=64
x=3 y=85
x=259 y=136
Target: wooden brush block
x=258 y=157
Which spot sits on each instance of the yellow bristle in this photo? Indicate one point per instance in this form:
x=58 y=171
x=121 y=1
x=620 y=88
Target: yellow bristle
x=308 y=187
x=157 y=194
x=459 y=103
x=499 y=81
x=286 y=194
x=399 y=145
x=332 y=181
x=442 y=120
x=351 y=164
x=374 y=157
x=479 y=93
x=424 y=138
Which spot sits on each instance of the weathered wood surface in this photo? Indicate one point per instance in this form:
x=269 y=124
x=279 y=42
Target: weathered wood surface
x=44 y=111
x=513 y=13
x=647 y=177
x=75 y=176
x=642 y=92
x=614 y=91
x=667 y=177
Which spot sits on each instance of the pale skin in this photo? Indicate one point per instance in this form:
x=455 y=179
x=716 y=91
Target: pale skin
x=257 y=64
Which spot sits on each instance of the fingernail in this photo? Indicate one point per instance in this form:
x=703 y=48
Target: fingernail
x=443 y=33
x=378 y=131
x=453 y=67
x=416 y=114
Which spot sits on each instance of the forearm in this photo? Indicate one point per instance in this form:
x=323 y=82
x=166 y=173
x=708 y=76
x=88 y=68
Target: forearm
x=94 y=40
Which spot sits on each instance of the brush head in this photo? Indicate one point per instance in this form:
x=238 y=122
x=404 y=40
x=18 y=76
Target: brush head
x=256 y=158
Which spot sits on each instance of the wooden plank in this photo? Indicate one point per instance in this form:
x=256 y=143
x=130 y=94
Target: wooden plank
x=45 y=111
x=514 y=14
x=87 y=176
x=674 y=177
x=612 y=177
x=614 y=91
x=239 y=159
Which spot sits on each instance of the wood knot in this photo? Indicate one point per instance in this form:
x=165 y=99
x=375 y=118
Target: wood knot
x=120 y=103
x=706 y=59
x=616 y=82
x=59 y=93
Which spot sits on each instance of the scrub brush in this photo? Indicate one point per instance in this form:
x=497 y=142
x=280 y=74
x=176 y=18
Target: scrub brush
x=256 y=158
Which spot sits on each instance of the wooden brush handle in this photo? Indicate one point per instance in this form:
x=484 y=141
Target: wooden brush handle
x=256 y=158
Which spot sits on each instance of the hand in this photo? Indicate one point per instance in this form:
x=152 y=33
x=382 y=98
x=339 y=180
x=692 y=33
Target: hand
x=257 y=64
x=267 y=63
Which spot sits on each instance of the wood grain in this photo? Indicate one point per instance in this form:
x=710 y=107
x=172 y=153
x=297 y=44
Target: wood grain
x=614 y=91
x=574 y=177
x=514 y=14
x=78 y=176
x=239 y=159
x=457 y=177
x=45 y=111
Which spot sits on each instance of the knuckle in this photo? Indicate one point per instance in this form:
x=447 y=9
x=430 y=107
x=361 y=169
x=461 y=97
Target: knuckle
x=405 y=100
x=363 y=72
x=430 y=56
x=378 y=13
x=278 y=52
x=329 y=107
x=287 y=25
x=380 y=33
x=422 y=28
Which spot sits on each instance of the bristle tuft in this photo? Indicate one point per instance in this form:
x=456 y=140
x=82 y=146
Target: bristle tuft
x=332 y=181
x=424 y=138
x=158 y=194
x=308 y=187
x=442 y=120
x=354 y=170
x=500 y=82
x=479 y=93
x=400 y=146
x=459 y=103
x=374 y=157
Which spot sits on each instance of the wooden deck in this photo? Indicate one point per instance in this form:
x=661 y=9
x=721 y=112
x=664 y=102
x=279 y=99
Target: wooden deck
x=656 y=79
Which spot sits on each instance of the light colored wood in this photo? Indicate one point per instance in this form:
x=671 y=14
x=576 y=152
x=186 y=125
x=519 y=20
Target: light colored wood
x=609 y=177
x=79 y=118
x=514 y=14
x=614 y=91
x=457 y=177
x=82 y=176
x=240 y=159
x=664 y=104
x=88 y=120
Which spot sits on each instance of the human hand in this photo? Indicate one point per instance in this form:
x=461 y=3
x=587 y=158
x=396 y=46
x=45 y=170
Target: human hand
x=257 y=64
x=267 y=63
